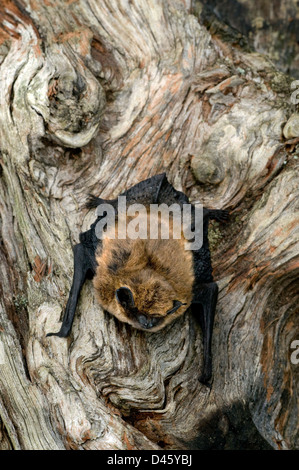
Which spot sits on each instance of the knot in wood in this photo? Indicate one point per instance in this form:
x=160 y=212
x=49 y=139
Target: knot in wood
x=76 y=104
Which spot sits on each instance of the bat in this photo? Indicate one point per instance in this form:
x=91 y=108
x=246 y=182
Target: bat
x=146 y=282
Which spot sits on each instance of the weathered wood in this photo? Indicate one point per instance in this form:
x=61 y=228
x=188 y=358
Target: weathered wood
x=94 y=97
x=269 y=27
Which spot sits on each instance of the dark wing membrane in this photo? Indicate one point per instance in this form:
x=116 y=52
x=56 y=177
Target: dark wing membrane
x=84 y=267
x=155 y=190
x=147 y=191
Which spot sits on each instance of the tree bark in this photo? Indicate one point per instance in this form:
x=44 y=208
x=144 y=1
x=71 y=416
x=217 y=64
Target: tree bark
x=270 y=27
x=95 y=97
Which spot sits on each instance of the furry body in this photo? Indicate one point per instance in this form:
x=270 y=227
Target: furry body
x=148 y=283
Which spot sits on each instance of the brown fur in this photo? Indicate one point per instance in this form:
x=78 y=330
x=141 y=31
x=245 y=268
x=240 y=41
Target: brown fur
x=157 y=272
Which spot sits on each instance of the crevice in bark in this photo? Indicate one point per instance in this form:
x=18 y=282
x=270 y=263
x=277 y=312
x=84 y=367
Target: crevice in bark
x=5 y=442
x=231 y=428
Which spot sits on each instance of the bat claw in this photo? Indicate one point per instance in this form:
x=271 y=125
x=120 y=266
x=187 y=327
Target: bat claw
x=222 y=216
x=205 y=380
x=60 y=334
x=206 y=375
x=219 y=215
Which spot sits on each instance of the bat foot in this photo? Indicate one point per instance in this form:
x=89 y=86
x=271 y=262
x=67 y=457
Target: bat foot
x=219 y=215
x=60 y=334
x=205 y=380
x=53 y=334
x=224 y=216
x=206 y=375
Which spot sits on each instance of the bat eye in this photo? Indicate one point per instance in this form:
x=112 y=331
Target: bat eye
x=176 y=305
x=125 y=297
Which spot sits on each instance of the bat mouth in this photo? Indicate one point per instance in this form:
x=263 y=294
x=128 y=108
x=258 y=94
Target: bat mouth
x=147 y=322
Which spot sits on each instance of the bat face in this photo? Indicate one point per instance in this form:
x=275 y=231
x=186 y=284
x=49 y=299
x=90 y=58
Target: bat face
x=149 y=318
x=146 y=283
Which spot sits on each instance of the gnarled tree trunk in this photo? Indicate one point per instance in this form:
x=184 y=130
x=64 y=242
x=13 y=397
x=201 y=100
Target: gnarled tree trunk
x=96 y=96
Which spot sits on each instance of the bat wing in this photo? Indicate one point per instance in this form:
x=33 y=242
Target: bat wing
x=84 y=267
x=154 y=190
x=205 y=291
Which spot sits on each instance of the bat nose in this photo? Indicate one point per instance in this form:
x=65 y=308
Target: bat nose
x=147 y=322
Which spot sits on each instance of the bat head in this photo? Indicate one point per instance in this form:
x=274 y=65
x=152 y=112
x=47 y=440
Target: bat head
x=153 y=308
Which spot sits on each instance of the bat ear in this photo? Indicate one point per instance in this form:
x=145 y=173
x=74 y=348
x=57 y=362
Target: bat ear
x=125 y=297
x=176 y=305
